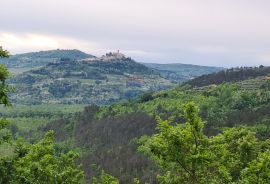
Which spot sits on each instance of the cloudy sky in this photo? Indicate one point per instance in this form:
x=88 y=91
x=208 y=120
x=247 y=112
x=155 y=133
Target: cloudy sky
x=206 y=32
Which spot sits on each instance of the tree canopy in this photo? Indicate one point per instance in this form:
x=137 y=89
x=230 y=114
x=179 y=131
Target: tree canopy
x=186 y=155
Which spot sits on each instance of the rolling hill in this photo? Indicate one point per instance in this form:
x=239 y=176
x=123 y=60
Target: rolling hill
x=175 y=72
x=182 y=72
x=23 y=62
x=105 y=80
x=74 y=77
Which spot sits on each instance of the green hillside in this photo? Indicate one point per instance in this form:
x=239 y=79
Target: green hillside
x=23 y=62
x=74 y=77
x=104 y=80
x=174 y=72
x=182 y=72
x=108 y=136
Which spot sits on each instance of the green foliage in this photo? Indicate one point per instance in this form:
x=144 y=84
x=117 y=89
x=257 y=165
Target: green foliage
x=6 y=147
x=182 y=151
x=186 y=155
x=230 y=75
x=3 y=53
x=4 y=74
x=258 y=171
x=107 y=132
x=40 y=165
x=105 y=178
x=3 y=123
x=146 y=97
x=23 y=62
x=28 y=121
x=234 y=149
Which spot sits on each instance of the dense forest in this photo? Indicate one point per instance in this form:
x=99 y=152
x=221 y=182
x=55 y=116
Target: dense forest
x=110 y=135
x=230 y=75
x=214 y=131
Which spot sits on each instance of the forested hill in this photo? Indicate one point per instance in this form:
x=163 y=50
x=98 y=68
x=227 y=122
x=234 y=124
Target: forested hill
x=23 y=62
x=230 y=75
x=174 y=72
x=177 y=72
x=74 y=77
x=109 y=135
x=105 y=80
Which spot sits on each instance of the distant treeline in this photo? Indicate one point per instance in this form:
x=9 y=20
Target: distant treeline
x=230 y=75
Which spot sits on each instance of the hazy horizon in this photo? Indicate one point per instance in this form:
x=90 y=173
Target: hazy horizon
x=225 y=33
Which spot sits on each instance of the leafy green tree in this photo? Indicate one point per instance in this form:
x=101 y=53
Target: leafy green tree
x=186 y=155
x=234 y=149
x=105 y=178
x=6 y=147
x=41 y=165
x=38 y=163
x=182 y=150
x=258 y=171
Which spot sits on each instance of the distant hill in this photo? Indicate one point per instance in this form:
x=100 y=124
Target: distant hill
x=103 y=80
x=176 y=73
x=230 y=75
x=75 y=77
x=182 y=72
x=22 y=62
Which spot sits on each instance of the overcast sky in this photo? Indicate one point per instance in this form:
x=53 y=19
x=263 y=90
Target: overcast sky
x=205 y=32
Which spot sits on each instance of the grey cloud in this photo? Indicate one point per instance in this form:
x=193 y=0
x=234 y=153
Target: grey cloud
x=209 y=32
